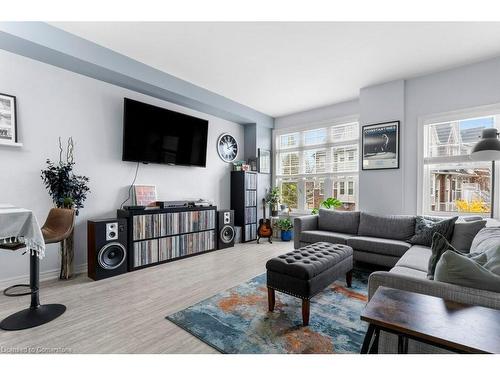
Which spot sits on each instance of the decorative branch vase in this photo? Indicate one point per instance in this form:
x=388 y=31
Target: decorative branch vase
x=67 y=255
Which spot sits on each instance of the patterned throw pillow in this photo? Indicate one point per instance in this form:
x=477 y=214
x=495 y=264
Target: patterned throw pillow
x=439 y=246
x=426 y=226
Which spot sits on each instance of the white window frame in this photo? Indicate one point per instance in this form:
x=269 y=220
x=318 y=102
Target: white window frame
x=423 y=121
x=328 y=176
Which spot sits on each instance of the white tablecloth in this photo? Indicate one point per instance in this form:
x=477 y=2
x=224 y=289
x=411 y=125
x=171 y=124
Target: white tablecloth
x=20 y=225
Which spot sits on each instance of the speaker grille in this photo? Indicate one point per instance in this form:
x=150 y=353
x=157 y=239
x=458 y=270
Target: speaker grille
x=112 y=256
x=227 y=234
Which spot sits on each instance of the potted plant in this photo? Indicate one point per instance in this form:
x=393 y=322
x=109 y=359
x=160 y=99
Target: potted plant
x=67 y=190
x=273 y=199
x=286 y=227
x=329 y=203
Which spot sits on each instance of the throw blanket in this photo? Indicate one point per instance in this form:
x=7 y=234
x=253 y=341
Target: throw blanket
x=20 y=225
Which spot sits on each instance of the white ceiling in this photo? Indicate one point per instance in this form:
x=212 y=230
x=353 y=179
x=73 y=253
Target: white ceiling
x=282 y=68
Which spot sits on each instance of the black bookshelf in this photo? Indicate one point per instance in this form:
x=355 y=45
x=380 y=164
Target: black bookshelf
x=157 y=236
x=244 y=203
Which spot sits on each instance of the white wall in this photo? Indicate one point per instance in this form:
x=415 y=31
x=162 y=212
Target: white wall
x=53 y=102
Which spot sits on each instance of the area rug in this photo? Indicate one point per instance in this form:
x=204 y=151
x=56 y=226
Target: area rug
x=238 y=321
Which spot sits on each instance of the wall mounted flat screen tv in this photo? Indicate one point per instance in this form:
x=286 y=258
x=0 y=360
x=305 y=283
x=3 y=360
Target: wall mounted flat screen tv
x=157 y=135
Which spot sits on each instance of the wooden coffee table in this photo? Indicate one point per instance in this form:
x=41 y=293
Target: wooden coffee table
x=445 y=324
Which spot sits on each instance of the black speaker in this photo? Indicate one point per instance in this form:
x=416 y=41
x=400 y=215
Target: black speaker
x=225 y=229
x=106 y=248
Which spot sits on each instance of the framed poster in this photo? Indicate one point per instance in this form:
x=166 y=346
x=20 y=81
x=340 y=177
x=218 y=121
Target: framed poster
x=380 y=146
x=264 y=161
x=144 y=195
x=8 y=120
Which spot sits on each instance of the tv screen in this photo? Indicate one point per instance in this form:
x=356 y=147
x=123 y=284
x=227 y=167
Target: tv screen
x=157 y=135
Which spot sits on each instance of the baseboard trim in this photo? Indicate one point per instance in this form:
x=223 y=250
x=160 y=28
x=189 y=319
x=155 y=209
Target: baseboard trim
x=44 y=276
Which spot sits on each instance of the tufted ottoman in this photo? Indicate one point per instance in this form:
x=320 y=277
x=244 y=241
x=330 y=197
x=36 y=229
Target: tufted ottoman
x=307 y=271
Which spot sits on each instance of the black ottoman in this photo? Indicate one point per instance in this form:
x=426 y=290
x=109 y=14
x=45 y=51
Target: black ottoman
x=307 y=271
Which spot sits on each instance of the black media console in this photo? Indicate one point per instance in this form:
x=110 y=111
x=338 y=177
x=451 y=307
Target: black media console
x=163 y=235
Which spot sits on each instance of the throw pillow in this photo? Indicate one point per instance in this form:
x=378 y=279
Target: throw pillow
x=425 y=227
x=463 y=270
x=464 y=234
x=439 y=246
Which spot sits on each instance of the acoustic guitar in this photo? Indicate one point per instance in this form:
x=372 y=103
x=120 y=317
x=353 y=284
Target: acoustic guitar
x=265 y=229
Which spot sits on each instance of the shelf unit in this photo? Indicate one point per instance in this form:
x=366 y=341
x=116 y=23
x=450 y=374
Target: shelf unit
x=163 y=235
x=244 y=203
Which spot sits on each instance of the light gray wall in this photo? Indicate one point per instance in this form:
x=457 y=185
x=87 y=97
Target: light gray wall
x=381 y=191
x=53 y=102
x=451 y=90
x=407 y=100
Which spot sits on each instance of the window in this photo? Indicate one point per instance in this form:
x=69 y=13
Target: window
x=316 y=163
x=453 y=184
x=289 y=194
x=315 y=193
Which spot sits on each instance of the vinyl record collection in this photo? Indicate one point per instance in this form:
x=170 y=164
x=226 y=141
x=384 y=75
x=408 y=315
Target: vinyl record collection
x=250 y=232
x=251 y=180
x=159 y=225
x=157 y=250
x=164 y=236
x=250 y=198
x=250 y=215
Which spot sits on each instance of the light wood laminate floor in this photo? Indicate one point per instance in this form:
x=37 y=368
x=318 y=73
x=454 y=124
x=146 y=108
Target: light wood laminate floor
x=126 y=314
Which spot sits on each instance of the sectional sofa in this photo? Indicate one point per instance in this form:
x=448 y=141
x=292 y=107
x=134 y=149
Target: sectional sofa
x=382 y=240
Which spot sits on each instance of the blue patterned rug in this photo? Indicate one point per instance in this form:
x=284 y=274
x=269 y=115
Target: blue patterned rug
x=238 y=321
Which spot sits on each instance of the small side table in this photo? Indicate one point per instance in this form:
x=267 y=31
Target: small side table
x=431 y=320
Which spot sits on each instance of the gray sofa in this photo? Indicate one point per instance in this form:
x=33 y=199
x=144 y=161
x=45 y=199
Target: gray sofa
x=381 y=240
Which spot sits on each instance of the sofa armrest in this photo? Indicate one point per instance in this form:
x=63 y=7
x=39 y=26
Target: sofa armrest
x=301 y=223
x=434 y=288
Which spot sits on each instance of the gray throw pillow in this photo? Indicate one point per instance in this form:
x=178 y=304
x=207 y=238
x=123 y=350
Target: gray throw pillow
x=463 y=270
x=426 y=226
x=338 y=221
x=439 y=246
x=464 y=233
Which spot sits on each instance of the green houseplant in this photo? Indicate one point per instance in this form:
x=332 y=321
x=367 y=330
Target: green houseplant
x=67 y=190
x=328 y=203
x=273 y=199
x=286 y=226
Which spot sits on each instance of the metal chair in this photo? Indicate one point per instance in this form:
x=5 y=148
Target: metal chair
x=58 y=226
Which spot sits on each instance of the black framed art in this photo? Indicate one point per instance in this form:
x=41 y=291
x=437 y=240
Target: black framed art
x=8 y=119
x=380 y=146
x=264 y=161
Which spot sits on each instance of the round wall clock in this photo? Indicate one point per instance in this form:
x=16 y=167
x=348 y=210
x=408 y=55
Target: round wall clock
x=227 y=147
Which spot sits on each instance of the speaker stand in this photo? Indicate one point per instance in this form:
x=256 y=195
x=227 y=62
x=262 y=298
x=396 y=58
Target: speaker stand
x=36 y=314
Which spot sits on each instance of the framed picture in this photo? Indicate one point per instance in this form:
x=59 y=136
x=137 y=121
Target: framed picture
x=8 y=119
x=144 y=195
x=380 y=146
x=264 y=161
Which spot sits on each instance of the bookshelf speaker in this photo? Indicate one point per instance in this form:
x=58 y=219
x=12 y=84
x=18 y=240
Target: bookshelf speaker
x=106 y=248
x=225 y=229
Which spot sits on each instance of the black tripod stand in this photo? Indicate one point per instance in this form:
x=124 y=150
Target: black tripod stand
x=36 y=314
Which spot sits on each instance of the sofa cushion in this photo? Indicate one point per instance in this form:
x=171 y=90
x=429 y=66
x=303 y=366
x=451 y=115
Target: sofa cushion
x=410 y=272
x=338 y=221
x=396 y=227
x=379 y=245
x=486 y=238
x=426 y=226
x=455 y=268
x=464 y=233
x=416 y=258
x=312 y=236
